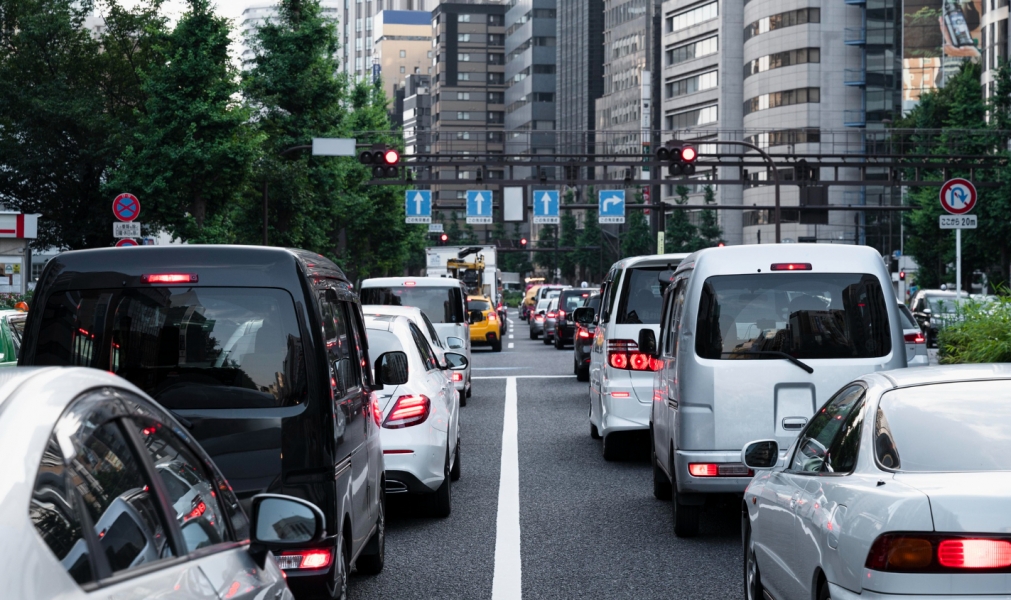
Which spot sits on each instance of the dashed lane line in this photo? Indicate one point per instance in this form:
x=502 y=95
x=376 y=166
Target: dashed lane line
x=507 y=582
x=511 y=345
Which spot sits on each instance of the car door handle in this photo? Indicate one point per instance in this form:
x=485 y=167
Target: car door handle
x=794 y=499
x=794 y=423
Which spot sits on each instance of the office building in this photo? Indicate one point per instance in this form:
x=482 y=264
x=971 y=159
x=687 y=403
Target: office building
x=993 y=42
x=358 y=29
x=580 y=74
x=255 y=15
x=402 y=46
x=417 y=114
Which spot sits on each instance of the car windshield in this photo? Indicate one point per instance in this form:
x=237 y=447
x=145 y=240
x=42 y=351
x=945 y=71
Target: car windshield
x=570 y=301
x=963 y=426
x=481 y=305
x=17 y=325
x=641 y=296
x=382 y=341
x=543 y=305
x=594 y=302
x=441 y=304
x=908 y=322
x=805 y=315
x=189 y=348
x=944 y=305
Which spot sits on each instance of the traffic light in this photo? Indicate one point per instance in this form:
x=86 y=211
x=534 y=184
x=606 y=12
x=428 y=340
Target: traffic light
x=523 y=242
x=679 y=156
x=902 y=275
x=385 y=162
x=802 y=171
x=443 y=239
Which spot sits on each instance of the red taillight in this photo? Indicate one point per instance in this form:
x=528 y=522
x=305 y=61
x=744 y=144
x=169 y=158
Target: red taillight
x=620 y=394
x=618 y=360
x=704 y=469
x=791 y=267
x=377 y=412
x=539 y=318
x=408 y=411
x=584 y=334
x=974 y=554
x=719 y=470
x=552 y=315
x=492 y=318
x=561 y=314
x=170 y=278
x=622 y=355
x=304 y=559
x=457 y=376
x=410 y=283
x=915 y=338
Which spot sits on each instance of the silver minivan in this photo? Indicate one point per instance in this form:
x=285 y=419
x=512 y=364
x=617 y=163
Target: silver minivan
x=621 y=378
x=442 y=299
x=753 y=339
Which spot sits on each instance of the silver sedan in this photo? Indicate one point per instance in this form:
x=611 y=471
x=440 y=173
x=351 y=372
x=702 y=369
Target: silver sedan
x=100 y=488
x=899 y=487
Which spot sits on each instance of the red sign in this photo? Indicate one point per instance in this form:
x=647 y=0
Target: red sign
x=126 y=207
x=126 y=242
x=958 y=196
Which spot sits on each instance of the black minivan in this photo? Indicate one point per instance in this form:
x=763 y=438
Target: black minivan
x=262 y=353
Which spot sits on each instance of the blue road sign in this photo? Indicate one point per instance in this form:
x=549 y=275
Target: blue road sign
x=479 y=207
x=612 y=206
x=546 y=207
x=418 y=206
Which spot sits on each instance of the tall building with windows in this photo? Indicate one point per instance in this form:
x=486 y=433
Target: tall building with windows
x=530 y=46
x=358 y=24
x=580 y=73
x=402 y=46
x=994 y=47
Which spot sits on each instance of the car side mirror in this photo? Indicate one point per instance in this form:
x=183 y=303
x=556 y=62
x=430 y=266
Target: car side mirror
x=665 y=278
x=584 y=315
x=647 y=342
x=281 y=522
x=391 y=369
x=927 y=311
x=762 y=454
x=455 y=343
x=457 y=362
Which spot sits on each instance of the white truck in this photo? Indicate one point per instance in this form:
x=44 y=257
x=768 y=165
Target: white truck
x=485 y=283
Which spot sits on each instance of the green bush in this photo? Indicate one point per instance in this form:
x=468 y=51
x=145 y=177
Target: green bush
x=512 y=298
x=979 y=332
x=8 y=300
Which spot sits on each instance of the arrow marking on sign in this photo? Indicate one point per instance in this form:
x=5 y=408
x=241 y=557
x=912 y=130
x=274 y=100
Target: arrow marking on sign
x=616 y=200
x=418 y=201
x=960 y=195
x=546 y=199
x=479 y=199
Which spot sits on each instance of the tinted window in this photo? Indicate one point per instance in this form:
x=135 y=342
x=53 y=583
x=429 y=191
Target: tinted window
x=908 y=322
x=336 y=328
x=382 y=341
x=54 y=512
x=433 y=335
x=641 y=296
x=192 y=493
x=481 y=305
x=427 y=356
x=594 y=302
x=118 y=500
x=441 y=304
x=806 y=315
x=945 y=427
x=816 y=441
x=189 y=348
x=945 y=305
x=570 y=300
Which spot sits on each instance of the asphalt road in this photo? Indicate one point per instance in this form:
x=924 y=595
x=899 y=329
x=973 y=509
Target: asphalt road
x=587 y=528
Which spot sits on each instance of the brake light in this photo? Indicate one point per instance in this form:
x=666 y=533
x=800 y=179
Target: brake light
x=169 y=278
x=408 y=411
x=492 y=317
x=377 y=413
x=457 y=376
x=915 y=338
x=719 y=469
x=704 y=469
x=584 y=334
x=552 y=315
x=561 y=314
x=621 y=354
x=620 y=394
x=937 y=553
x=304 y=559
x=618 y=360
x=539 y=318
x=791 y=267
x=410 y=283
x=198 y=510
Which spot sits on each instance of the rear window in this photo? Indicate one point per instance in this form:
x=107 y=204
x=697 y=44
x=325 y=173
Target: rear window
x=382 y=341
x=806 y=315
x=17 y=327
x=481 y=305
x=571 y=300
x=189 y=348
x=962 y=426
x=441 y=304
x=906 y=317
x=641 y=296
x=594 y=302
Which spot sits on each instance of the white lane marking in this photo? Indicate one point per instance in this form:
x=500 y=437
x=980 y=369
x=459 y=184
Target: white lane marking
x=510 y=336
x=526 y=377
x=507 y=580
x=511 y=345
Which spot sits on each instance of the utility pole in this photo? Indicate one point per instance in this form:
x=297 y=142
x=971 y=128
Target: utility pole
x=657 y=215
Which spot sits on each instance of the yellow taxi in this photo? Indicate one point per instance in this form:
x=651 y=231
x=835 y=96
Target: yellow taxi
x=485 y=323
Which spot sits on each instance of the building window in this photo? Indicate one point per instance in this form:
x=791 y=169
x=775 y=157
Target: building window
x=465 y=58
x=782 y=59
x=785 y=137
x=463 y=37
x=463 y=18
x=786 y=19
x=784 y=98
x=692 y=17
x=693 y=50
x=690 y=85
x=403 y=53
x=463 y=116
x=692 y=118
x=403 y=69
x=463 y=76
x=429 y=54
x=463 y=95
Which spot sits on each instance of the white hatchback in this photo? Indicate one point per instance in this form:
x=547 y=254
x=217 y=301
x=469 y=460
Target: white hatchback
x=899 y=487
x=420 y=419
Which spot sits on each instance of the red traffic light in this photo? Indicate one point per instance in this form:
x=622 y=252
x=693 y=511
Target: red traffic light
x=902 y=275
x=689 y=154
x=523 y=242
x=391 y=157
x=444 y=238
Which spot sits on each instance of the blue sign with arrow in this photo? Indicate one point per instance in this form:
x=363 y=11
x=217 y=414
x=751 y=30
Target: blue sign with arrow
x=479 y=207
x=612 y=206
x=546 y=207
x=418 y=206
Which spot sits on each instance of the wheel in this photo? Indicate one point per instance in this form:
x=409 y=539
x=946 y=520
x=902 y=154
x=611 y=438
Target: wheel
x=455 y=473
x=470 y=388
x=496 y=346
x=547 y=339
x=753 y=589
x=374 y=556
x=593 y=432
x=575 y=368
x=610 y=448
x=340 y=591
x=441 y=502
x=583 y=374
x=463 y=399
x=661 y=484
x=823 y=592
x=559 y=344
x=686 y=517
x=533 y=335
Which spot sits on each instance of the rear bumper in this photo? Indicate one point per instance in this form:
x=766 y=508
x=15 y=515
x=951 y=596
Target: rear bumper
x=622 y=414
x=708 y=485
x=840 y=593
x=920 y=360
x=565 y=332
x=421 y=468
x=537 y=327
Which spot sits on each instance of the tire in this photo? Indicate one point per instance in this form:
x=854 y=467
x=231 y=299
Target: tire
x=583 y=374
x=685 y=517
x=559 y=344
x=547 y=340
x=455 y=473
x=753 y=589
x=470 y=388
x=463 y=399
x=823 y=592
x=496 y=346
x=374 y=556
x=661 y=483
x=610 y=449
x=533 y=335
x=575 y=368
x=441 y=502
x=340 y=591
x=593 y=432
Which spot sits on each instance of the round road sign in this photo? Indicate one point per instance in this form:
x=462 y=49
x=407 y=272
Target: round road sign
x=126 y=207
x=958 y=196
x=126 y=242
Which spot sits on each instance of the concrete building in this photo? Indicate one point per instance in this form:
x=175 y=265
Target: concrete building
x=358 y=30
x=255 y=15
x=530 y=47
x=580 y=73
x=402 y=46
x=417 y=114
x=994 y=41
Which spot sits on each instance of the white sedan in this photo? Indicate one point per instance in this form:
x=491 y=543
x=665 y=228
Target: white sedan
x=899 y=487
x=421 y=418
x=103 y=494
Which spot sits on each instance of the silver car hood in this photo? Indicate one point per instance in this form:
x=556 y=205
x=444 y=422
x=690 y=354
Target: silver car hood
x=966 y=502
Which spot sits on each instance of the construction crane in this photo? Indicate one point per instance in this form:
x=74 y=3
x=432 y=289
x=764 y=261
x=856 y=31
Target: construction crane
x=470 y=273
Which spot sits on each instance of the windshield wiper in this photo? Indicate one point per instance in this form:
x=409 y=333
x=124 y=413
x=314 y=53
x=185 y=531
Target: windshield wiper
x=776 y=353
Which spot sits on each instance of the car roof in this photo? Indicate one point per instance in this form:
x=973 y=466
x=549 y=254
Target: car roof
x=649 y=260
x=752 y=258
x=390 y=309
x=418 y=282
x=899 y=378
x=386 y=322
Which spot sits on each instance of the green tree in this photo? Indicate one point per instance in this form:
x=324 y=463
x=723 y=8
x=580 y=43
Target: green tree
x=681 y=235
x=637 y=239
x=569 y=238
x=709 y=229
x=69 y=103
x=193 y=152
x=589 y=257
x=548 y=240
